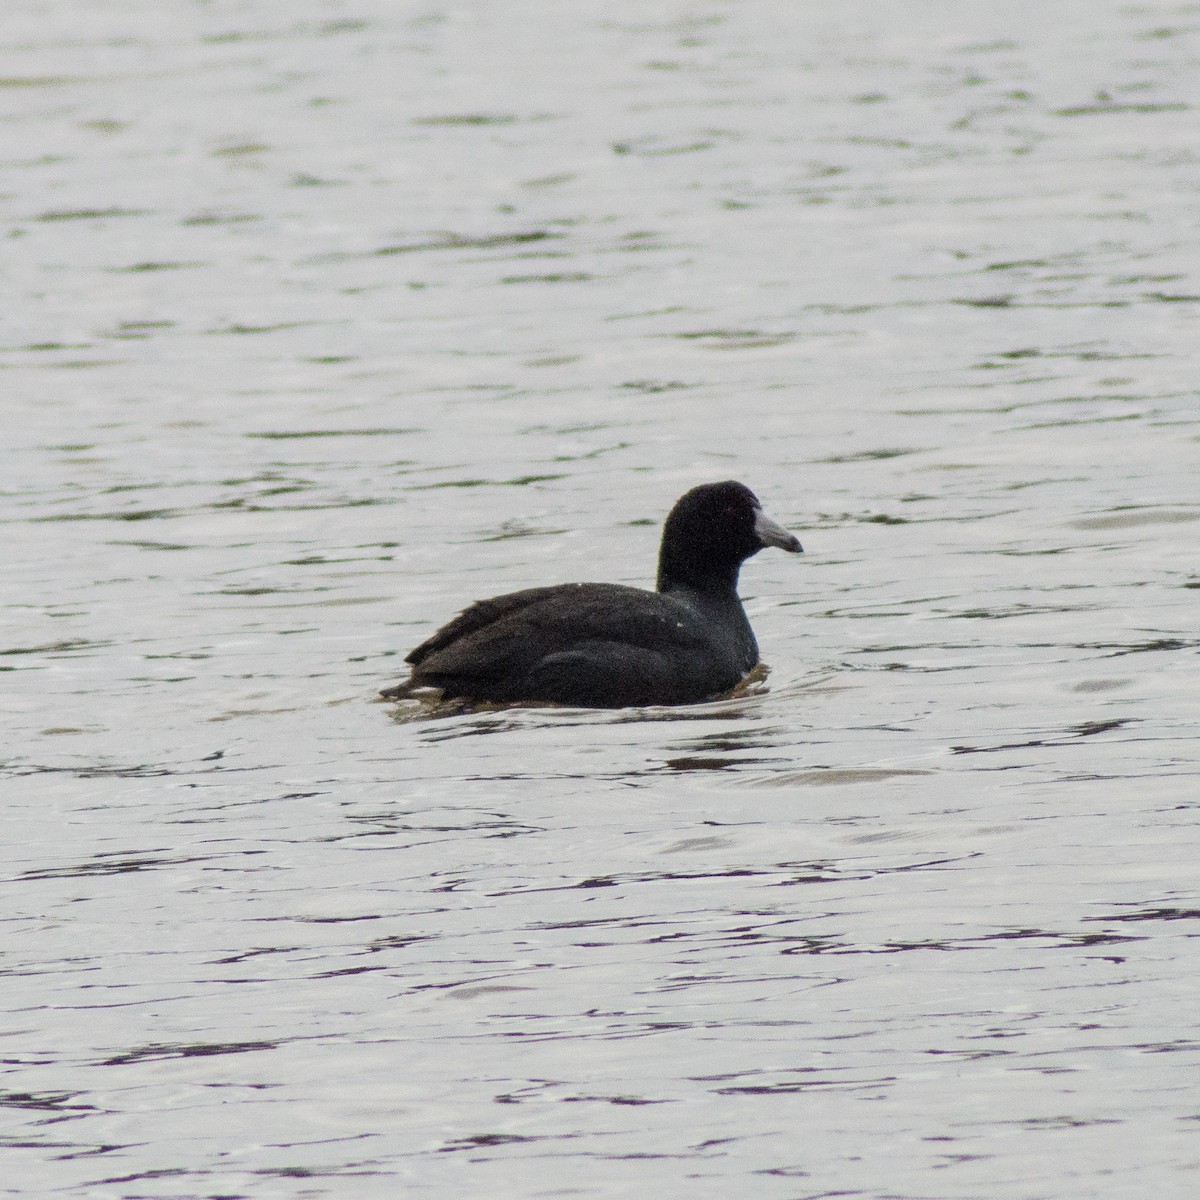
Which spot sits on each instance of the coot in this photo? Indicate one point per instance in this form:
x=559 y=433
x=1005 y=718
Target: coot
x=604 y=645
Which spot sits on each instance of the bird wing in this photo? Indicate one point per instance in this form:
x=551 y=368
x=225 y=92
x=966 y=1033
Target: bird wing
x=478 y=616
x=515 y=630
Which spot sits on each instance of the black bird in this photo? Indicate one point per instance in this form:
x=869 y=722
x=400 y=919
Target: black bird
x=604 y=645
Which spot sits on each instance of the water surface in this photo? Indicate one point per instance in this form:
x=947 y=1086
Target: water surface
x=325 y=320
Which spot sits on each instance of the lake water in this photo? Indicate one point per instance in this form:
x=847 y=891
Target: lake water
x=324 y=319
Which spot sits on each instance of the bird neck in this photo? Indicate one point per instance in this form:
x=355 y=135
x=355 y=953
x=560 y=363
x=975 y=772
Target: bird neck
x=678 y=570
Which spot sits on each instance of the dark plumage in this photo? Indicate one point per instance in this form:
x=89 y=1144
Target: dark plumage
x=604 y=645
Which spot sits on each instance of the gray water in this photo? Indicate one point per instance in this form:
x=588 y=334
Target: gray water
x=323 y=319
